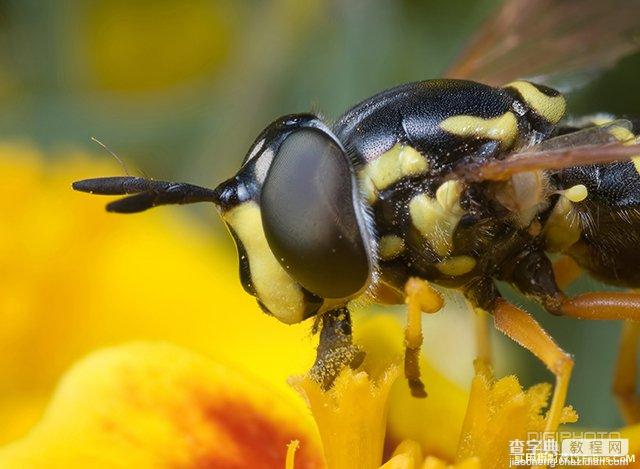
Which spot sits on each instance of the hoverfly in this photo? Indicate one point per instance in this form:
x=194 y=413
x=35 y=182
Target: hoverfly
x=449 y=182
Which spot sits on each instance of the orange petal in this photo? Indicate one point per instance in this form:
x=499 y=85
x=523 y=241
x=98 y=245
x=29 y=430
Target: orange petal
x=156 y=405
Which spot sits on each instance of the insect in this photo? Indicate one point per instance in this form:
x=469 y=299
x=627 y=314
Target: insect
x=448 y=182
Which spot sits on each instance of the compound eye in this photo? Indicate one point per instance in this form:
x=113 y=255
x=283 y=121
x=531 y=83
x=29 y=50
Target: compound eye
x=311 y=218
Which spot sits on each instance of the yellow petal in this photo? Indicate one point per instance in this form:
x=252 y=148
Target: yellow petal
x=410 y=418
x=351 y=416
x=156 y=405
x=82 y=278
x=500 y=411
x=400 y=461
x=412 y=449
x=435 y=463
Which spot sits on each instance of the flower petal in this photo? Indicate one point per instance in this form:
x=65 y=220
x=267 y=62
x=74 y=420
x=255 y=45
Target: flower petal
x=156 y=405
x=434 y=422
x=82 y=278
x=500 y=411
x=351 y=416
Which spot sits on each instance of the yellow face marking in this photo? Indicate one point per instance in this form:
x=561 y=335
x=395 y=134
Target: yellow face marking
x=624 y=135
x=275 y=288
x=458 y=265
x=503 y=128
x=552 y=108
x=437 y=218
x=400 y=161
x=391 y=246
x=563 y=227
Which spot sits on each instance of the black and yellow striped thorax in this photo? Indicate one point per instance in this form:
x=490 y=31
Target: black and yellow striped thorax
x=408 y=141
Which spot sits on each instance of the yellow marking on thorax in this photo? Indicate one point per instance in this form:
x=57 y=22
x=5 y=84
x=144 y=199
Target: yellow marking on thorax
x=400 y=161
x=503 y=128
x=458 y=265
x=627 y=137
x=275 y=288
x=391 y=246
x=437 y=218
x=563 y=227
x=552 y=108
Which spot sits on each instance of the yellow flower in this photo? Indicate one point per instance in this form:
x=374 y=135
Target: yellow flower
x=82 y=279
x=156 y=405
x=76 y=278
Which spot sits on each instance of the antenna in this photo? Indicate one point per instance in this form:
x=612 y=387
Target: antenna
x=122 y=163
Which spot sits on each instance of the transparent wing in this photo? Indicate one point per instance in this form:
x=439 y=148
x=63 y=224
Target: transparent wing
x=541 y=39
x=603 y=134
x=593 y=145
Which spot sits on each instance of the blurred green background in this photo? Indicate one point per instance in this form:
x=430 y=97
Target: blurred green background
x=179 y=89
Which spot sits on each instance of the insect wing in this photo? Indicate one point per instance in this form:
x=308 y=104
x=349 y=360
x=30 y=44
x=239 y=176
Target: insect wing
x=595 y=135
x=542 y=39
x=594 y=145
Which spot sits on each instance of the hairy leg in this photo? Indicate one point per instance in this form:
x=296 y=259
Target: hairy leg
x=420 y=298
x=616 y=305
x=624 y=378
x=484 y=358
x=566 y=271
x=525 y=330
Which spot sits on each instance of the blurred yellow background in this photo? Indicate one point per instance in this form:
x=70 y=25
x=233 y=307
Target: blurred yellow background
x=179 y=90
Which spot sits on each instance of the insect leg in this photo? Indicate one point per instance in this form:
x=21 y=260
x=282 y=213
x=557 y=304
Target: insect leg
x=525 y=330
x=480 y=296
x=335 y=348
x=482 y=336
x=603 y=305
x=624 y=378
x=420 y=297
x=566 y=271
x=615 y=305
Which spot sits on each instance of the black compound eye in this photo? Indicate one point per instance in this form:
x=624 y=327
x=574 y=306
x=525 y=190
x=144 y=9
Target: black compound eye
x=311 y=219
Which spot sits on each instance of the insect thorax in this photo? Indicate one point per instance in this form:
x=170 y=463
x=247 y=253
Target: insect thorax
x=407 y=143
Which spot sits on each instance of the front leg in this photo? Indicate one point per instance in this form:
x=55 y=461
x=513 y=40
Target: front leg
x=420 y=298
